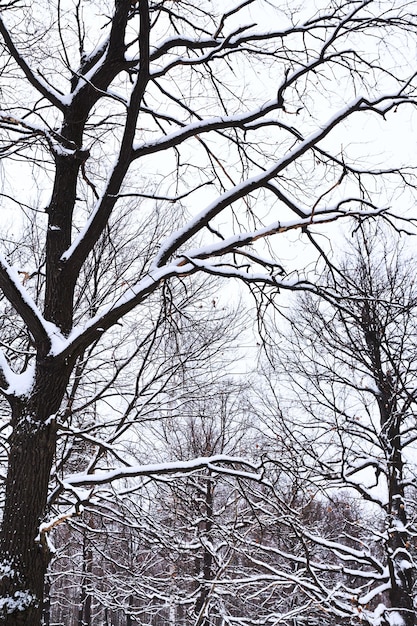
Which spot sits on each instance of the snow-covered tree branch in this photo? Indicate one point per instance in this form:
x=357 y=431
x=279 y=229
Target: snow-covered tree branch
x=144 y=146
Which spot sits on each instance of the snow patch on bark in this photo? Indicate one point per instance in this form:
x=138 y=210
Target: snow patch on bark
x=6 y=569
x=20 y=601
x=21 y=384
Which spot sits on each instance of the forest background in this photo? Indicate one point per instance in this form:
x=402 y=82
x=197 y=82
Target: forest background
x=156 y=158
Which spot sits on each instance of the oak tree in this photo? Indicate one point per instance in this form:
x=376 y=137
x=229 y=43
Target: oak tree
x=212 y=130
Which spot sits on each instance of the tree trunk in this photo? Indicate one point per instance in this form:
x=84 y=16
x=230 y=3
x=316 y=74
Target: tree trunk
x=84 y=614
x=25 y=556
x=399 y=561
x=47 y=603
x=207 y=558
x=24 y=553
x=400 y=564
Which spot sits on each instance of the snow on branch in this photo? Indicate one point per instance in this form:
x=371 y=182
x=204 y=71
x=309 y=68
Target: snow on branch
x=220 y=463
x=255 y=182
x=41 y=85
x=80 y=337
x=44 y=333
x=323 y=216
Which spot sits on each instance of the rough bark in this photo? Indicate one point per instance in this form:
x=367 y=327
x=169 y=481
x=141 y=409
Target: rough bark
x=24 y=552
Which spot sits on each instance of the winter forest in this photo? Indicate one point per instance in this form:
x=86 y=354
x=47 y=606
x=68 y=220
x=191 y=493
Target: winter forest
x=208 y=313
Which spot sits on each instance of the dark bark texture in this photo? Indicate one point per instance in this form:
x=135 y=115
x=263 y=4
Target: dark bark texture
x=23 y=548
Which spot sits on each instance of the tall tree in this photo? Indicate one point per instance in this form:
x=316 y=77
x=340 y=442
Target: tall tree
x=127 y=532
x=180 y=117
x=352 y=366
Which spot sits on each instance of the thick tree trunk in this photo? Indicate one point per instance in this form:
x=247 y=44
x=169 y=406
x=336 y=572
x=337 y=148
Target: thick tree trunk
x=24 y=556
x=24 y=553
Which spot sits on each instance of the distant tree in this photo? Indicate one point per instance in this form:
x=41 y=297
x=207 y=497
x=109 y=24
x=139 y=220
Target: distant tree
x=205 y=133
x=112 y=560
x=345 y=407
x=202 y=511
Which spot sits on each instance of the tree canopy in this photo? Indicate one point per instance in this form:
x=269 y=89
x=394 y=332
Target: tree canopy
x=145 y=146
